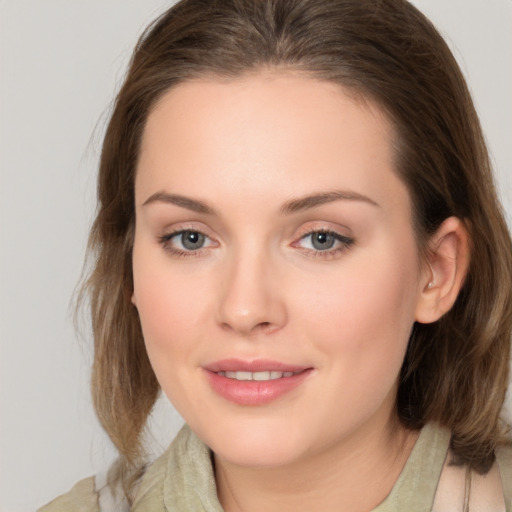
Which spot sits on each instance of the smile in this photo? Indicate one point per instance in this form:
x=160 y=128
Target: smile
x=255 y=383
x=259 y=376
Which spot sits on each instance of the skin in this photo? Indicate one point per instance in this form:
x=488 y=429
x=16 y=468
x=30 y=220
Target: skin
x=259 y=289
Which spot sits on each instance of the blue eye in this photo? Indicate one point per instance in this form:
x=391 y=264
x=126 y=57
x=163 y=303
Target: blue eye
x=325 y=241
x=322 y=241
x=191 y=240
x=185 y=241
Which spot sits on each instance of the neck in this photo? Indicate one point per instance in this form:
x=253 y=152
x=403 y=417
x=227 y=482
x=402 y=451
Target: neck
x=355 y=474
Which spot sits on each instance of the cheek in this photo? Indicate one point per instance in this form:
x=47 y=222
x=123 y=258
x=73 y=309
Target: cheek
x=170 y=319
x=171 y=307
x=363 y=316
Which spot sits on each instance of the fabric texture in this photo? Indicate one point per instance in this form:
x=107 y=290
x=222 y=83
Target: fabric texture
x=505 y=465
x=81 y=498
x=182 y=480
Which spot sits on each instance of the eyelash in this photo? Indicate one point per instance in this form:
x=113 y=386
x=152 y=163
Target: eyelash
x=165 y=239
x=344 y=243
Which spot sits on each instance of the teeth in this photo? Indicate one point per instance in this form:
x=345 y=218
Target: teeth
x=243 y=375
x=261 y=376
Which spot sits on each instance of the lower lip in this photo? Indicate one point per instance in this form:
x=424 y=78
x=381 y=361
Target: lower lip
x=253 y=392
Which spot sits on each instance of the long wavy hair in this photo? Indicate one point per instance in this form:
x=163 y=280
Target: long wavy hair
x=456 y=369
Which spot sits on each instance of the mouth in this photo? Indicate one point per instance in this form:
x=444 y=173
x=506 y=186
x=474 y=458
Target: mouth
x=258 y=376
x=256 y=382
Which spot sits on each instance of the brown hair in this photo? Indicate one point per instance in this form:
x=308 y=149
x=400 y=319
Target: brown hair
x=456 y=370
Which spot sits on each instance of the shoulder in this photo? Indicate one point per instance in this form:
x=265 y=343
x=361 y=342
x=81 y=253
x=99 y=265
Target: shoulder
x=492 y=491
x=504 y=460
x=81 y=498
x=149 y=495
x=94 y=494
x=181 y=479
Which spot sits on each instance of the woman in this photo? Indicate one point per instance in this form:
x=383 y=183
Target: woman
x=299 y=241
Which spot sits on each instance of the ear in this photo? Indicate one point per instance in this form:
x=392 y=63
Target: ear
x=133 y=299
x=444 y=272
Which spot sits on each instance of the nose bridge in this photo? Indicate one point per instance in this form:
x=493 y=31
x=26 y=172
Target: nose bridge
x=250 y=298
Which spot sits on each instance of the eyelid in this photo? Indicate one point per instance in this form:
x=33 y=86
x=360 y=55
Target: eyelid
x=174 y=231
x=342 y=241
x=335 y=234
x=180 y=227
x=342 y=244
x=172 y=234
x=324 y=227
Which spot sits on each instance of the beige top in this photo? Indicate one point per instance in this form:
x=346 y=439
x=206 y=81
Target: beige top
x=182 y=480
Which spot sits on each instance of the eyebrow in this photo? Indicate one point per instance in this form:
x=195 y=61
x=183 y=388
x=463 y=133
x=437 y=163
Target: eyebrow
x=292 y=206
x=311 y=201
x=182 y=201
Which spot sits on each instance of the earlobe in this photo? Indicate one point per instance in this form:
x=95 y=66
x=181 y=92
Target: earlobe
x=134 y=301
x=447 y=266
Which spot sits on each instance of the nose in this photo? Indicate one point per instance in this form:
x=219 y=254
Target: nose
x=251 y=299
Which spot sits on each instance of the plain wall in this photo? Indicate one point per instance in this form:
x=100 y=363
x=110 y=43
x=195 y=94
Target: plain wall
x=60 y=64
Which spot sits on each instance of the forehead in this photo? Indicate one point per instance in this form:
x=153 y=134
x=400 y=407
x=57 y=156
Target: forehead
x=268 y=98
x=269 y=132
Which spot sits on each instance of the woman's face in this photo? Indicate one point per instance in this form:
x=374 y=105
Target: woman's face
x=274 y=242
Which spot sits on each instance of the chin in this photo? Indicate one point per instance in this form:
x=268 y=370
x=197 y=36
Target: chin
x=255 y=443
x=259 y=455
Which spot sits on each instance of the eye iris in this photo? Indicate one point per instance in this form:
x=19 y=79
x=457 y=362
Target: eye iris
x=192 y=240
x=322 y=241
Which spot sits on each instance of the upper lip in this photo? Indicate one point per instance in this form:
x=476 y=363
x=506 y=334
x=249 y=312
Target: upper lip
x=257 y=365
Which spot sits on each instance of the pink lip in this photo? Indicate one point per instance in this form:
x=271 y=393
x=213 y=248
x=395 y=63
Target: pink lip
x=254 y=392
x=258 y=365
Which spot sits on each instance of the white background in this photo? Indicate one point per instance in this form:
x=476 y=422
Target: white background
x=60 y=63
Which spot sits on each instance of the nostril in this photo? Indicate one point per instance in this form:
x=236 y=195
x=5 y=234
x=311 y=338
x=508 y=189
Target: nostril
x=263 y=327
